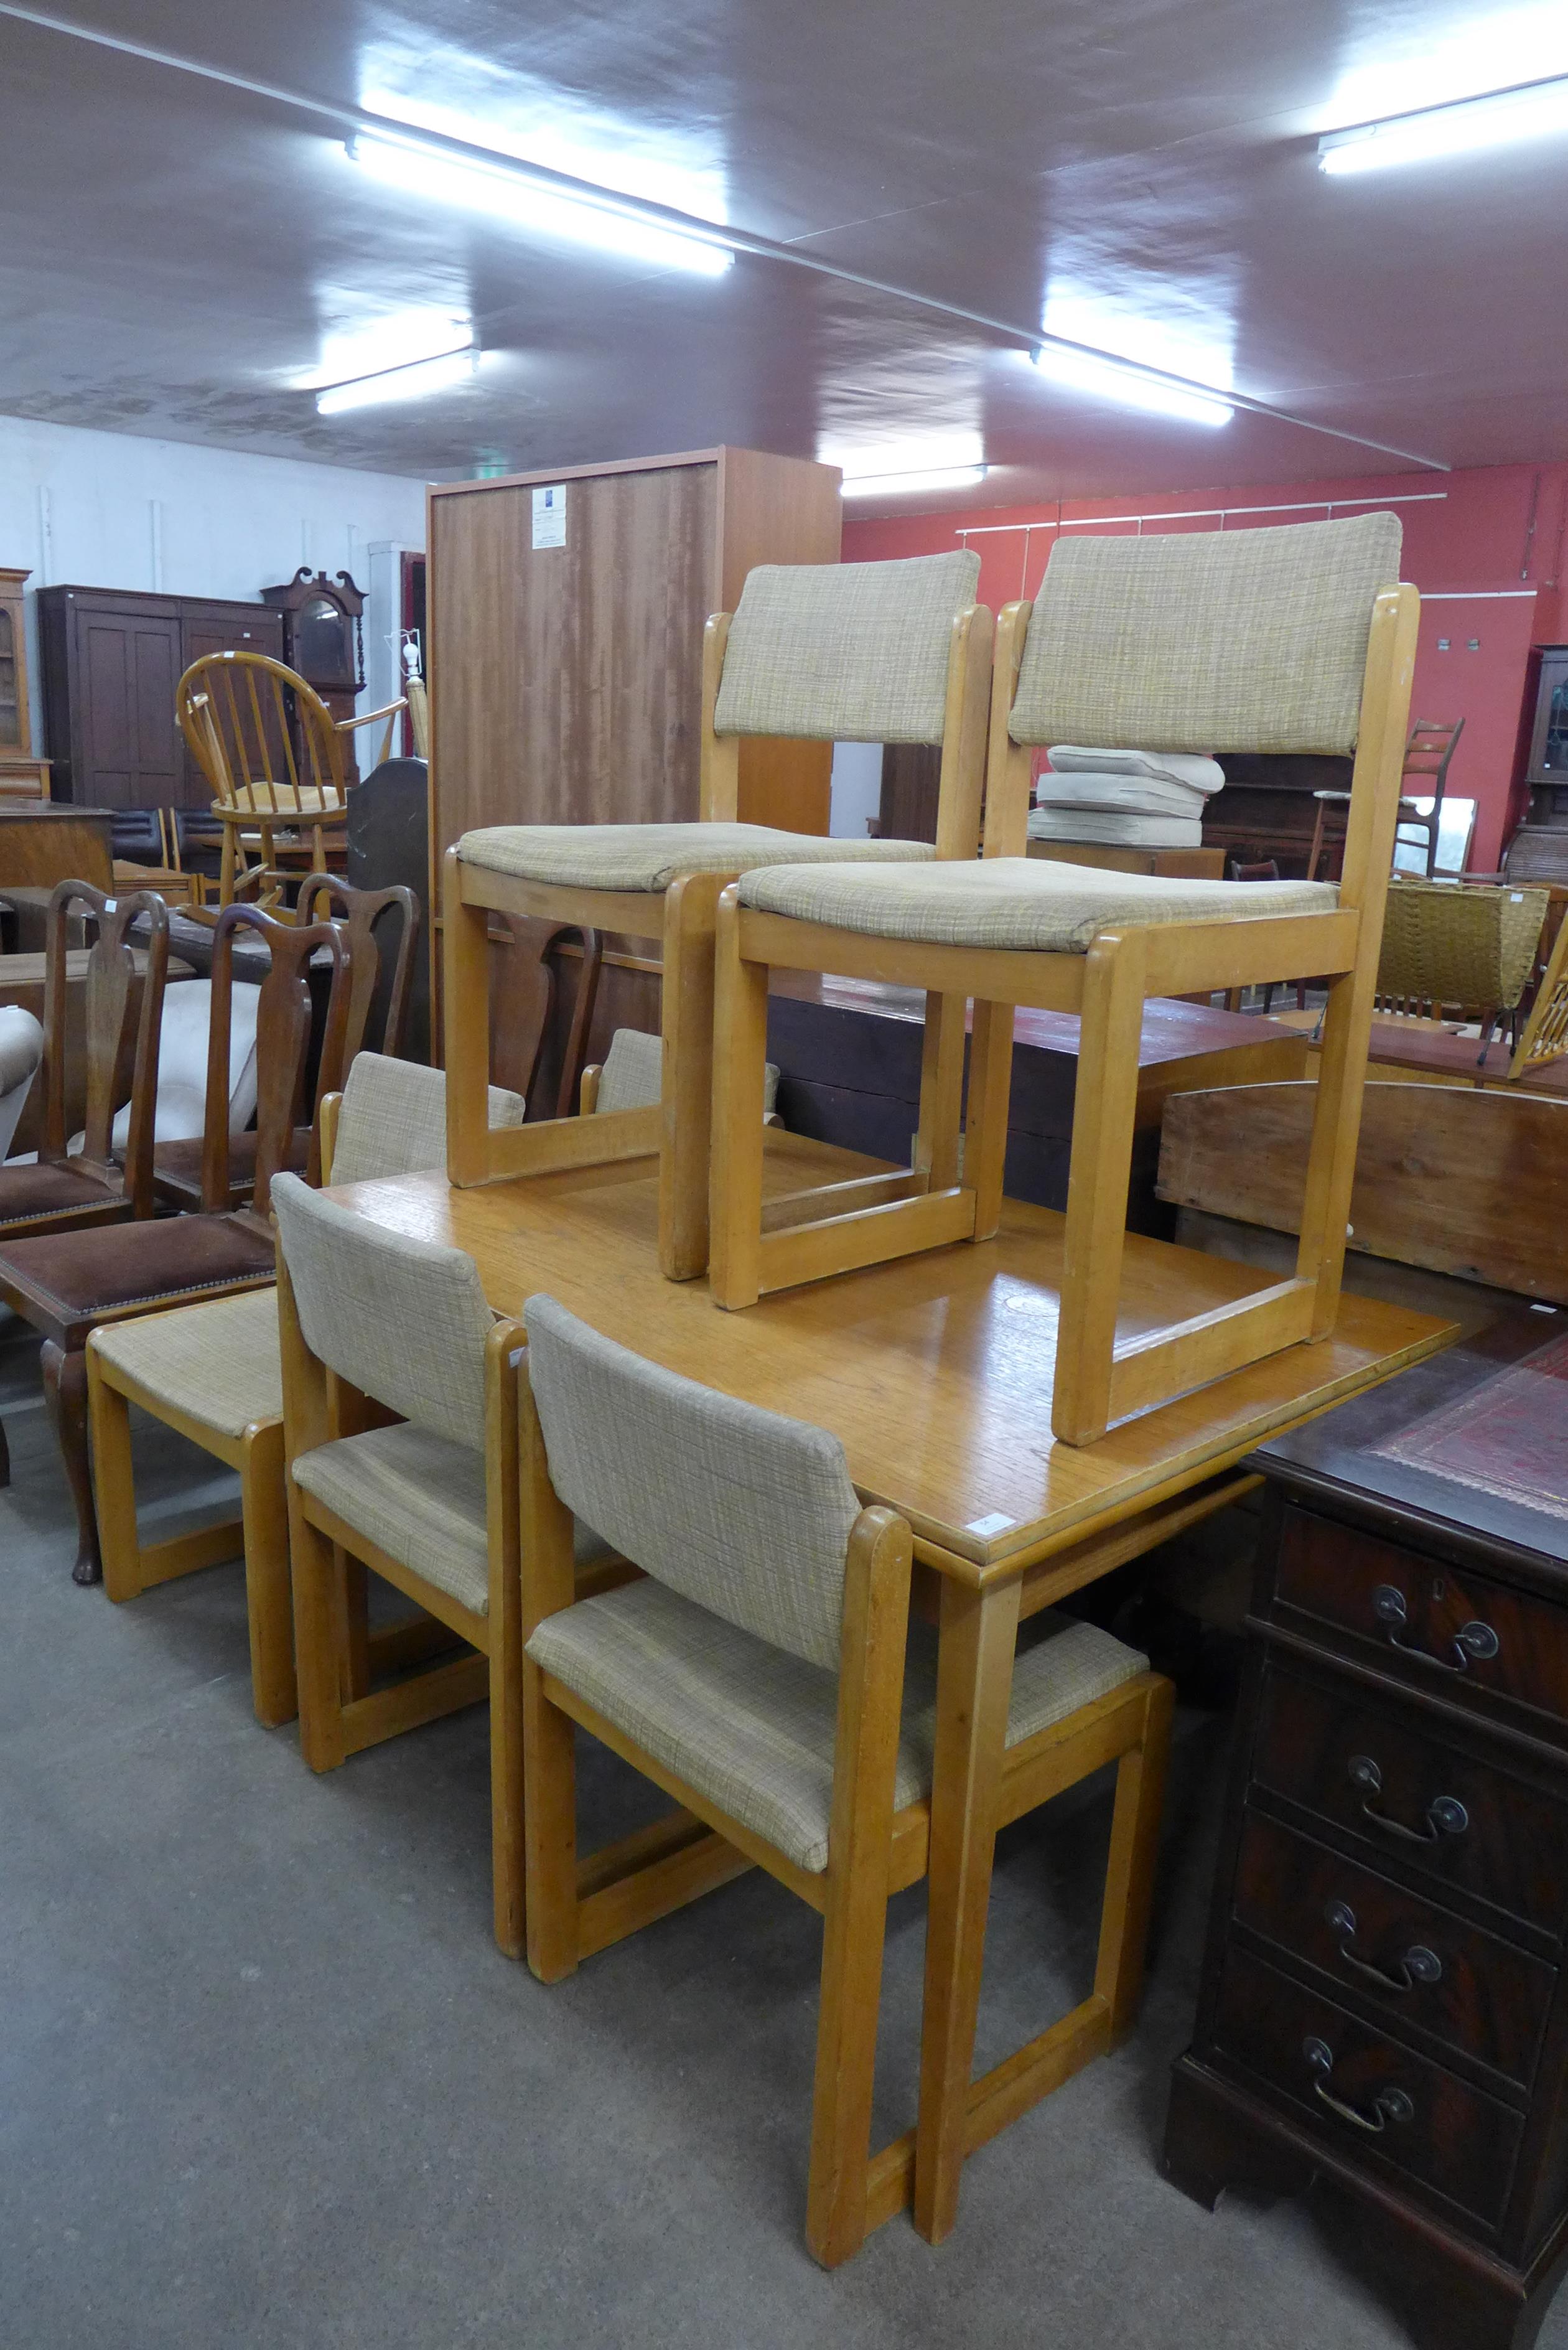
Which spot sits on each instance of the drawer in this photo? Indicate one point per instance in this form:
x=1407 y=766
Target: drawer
x=1410 y=1797
x=1424 y=1969
x=1370 y=2099
x=1452 y=1630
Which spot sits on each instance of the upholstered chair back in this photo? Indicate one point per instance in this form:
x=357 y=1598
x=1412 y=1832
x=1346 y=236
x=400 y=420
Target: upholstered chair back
x=393 y=1118
x=1205 y=640
x=403 y=1319
x=633 y=1073
x=742 y=1511
x=845 y=652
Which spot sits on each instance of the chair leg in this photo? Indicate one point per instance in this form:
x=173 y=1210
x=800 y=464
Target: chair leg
x=550 y=1832
x=974 y=1683
x=687 y=1023
x=1316 y=848
x=1105 y=1107
x=935 y=1146
x=263 y=1507
x=4 y=1457
x=352 y=1577
x=740 y=1058
x=320 y=1663
x=985 y=1123
x=226 y=867
x=1130 y=1871
x=508 y=1856
x=1331 y=1156
x=114 y=1487
x=65 y=1392
x=465 y=1028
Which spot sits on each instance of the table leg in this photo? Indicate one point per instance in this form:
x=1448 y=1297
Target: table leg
x=979 y=1631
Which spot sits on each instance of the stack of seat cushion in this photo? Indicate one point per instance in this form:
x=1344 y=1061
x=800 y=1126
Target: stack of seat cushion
x=1149 y=799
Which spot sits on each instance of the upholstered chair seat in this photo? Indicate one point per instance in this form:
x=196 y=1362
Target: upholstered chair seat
x=217 y=1363
x=754 y=1728
x=650 y=856
x=1015 y=902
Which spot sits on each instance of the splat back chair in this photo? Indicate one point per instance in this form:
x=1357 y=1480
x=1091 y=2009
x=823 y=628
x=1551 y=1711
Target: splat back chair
x=272 y=752
x=894 y=652
x=379 y=930
x=757 y=1673
x=1288 y=639
x=214 y=1372
x=66 y=1192
x=69 y=1284
x=400 y=1416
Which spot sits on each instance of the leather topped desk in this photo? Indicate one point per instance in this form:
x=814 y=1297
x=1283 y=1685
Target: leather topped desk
x=936 y=1373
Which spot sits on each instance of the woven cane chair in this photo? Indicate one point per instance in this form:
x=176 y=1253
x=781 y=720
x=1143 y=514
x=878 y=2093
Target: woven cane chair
x=399 y=1393
x=1460 y=953
x=1288 y=639
x=895 y=652
x=213 y=1373
x=757 y=1673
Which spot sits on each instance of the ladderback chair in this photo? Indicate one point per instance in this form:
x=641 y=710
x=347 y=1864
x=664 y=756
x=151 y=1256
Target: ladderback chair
x=1285 y=639
x=399 y=1393
x=214 y=1372
x=757 y=1672
x=67 y=1190
x=272 y=752
x=1428 y=750
x=880 y=652
x=67 y=1283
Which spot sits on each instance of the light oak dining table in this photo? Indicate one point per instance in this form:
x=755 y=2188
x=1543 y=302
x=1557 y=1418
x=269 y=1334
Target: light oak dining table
x=935 y=1372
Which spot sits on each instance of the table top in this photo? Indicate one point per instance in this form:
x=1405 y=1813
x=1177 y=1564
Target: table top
x=935 y=1372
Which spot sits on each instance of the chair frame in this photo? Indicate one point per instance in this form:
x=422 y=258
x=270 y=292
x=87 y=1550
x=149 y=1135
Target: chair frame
x=1323 y=841
x=337 y=1655
x=127 y=1190
x=682 y=922
x=1544 y=1036
x=580 y=1905
x=1097 y=1378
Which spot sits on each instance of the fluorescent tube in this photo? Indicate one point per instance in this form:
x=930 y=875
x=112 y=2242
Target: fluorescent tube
x=1106 y=379
x=1500 y=119
x=931 y=477
x=615 y=224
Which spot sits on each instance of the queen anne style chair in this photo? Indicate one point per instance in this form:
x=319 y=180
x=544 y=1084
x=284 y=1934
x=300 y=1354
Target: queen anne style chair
x=1289 y=639
x=400 y=1416
x=879 y=653
x=214 y=1372
x=67 y=1283
x=758 y=1674
x=66 y=1190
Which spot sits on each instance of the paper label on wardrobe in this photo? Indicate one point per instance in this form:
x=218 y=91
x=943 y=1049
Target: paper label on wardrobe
x=550 y=515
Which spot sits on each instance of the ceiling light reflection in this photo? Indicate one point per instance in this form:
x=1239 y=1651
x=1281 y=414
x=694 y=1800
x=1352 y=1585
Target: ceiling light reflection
x=416 y=380
x=1111 y=379
x=1464 y=127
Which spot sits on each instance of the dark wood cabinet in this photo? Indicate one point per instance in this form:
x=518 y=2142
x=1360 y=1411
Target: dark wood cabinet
x=1384 y=2007
x=110 y=660
x=1539 y=849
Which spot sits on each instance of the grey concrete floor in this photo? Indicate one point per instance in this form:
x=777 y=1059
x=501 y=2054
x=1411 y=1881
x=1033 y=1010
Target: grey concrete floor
x=265 y=2081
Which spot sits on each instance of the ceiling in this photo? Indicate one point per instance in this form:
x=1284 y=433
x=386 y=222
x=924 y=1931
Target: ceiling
x=177 y=254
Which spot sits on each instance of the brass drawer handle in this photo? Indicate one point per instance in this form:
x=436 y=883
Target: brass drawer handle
x=1446 y=1816
x=1418 y=1965
x=1472 y=1640
x=1387 y=2105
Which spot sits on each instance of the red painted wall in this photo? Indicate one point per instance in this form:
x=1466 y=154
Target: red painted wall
x=1485 y=547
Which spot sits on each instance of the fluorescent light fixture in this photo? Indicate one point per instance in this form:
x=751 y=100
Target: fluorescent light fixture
x=1500 y=119
x=372 y=345
x=613 y=224
x=416 y=381
x=930 y=477
x=1106 y=379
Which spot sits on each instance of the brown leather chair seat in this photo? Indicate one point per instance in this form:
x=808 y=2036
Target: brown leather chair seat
x=64 y=1283
x=177 y=1166
x=52 y=1188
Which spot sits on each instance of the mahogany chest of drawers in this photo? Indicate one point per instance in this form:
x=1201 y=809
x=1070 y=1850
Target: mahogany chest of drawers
x=1384 y=2006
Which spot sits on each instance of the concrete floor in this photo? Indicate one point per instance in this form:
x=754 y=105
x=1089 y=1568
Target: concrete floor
x=267 y=2082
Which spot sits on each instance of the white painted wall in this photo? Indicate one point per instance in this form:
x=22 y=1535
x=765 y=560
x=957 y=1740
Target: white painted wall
x=857 y=789
x=105 y=510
